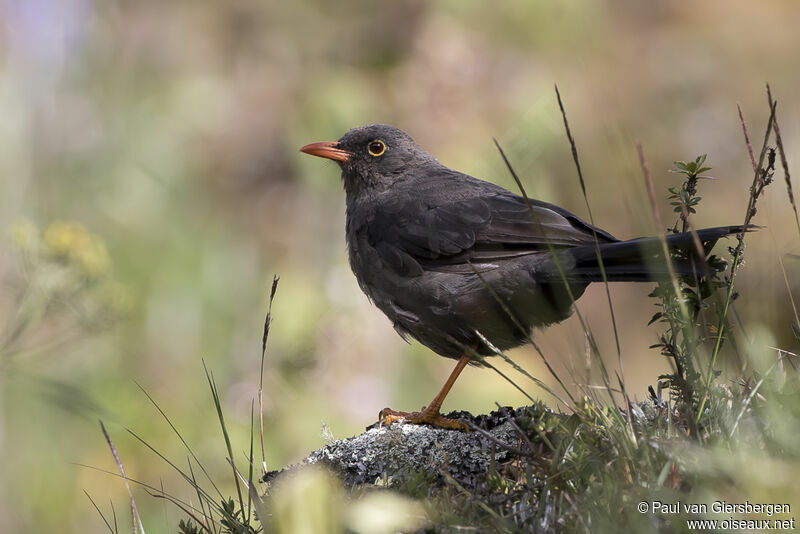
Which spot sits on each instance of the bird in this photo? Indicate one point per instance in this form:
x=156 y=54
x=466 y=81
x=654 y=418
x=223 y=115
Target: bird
x=465 y=266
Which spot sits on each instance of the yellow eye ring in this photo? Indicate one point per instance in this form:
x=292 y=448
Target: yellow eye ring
x=376 y=147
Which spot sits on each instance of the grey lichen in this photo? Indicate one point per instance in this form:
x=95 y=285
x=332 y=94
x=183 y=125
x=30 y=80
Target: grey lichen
x=402 y=451
x=399 y=450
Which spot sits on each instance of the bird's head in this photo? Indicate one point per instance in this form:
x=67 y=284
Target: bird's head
x=372 y=157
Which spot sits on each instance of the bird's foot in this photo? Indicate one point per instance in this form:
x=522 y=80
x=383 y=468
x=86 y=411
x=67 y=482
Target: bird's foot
x=425 y=416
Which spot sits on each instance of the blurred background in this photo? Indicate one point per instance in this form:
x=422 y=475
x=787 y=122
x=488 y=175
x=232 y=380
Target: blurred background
x=150 y=188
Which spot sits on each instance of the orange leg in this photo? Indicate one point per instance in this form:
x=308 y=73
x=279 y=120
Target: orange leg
x=430 y=414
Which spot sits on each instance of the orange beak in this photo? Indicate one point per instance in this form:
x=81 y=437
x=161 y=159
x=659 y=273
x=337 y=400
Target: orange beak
x=328 y=149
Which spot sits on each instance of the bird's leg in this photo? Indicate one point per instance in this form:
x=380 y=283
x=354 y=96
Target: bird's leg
x=430 y=414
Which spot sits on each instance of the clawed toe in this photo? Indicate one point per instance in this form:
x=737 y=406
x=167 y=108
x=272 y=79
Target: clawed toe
x=429 y=415
x=388 y=416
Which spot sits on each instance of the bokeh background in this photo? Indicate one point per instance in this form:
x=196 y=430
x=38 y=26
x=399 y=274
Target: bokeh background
x=150 y=188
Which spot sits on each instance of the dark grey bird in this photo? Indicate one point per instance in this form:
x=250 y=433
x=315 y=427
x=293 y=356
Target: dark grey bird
x=450 y=258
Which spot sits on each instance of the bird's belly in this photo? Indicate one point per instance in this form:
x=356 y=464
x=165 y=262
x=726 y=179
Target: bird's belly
x=448 y=311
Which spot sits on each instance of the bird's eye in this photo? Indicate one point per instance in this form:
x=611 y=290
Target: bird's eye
x=376 y=147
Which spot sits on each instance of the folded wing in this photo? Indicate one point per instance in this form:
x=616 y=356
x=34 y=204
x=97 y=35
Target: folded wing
x=463 y=234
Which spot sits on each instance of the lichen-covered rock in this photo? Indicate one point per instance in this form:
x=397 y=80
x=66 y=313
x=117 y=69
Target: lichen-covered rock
x=402 y=451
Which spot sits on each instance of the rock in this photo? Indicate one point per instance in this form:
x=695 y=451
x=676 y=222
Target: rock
x=400 y=452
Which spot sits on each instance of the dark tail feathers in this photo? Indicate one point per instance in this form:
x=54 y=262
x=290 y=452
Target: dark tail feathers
x=642 y=259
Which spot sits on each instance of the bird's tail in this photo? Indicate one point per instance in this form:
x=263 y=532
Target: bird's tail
x=642 y=259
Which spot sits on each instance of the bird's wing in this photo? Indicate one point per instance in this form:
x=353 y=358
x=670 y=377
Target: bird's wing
x=458 y=234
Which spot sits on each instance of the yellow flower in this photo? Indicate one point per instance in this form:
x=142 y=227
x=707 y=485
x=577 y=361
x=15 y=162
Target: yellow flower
x=63 y=239
x=71 y=242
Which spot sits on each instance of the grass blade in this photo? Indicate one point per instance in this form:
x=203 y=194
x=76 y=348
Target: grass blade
x=218 y=405
x=135 y=518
